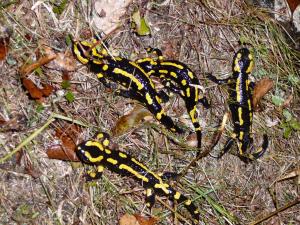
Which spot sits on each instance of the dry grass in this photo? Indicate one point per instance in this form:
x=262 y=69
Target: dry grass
x=204 y=36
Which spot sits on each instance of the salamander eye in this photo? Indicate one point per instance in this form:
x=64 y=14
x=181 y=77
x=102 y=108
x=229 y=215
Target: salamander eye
x=81 y=154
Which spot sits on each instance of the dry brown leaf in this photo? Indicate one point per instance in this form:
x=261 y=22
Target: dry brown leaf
x=260 y=89
x=32 y=89
x=293 y=4
x=66 y=151
x=108 y=14
x=47 y=90
x=130 y=120
x=63 y=62
x=145 y=220
x=4 y=43
x=128 y=220
x=27 y=69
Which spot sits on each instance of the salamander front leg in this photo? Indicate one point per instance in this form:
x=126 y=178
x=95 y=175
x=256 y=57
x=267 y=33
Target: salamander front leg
x=227 y=146
x=104 y=138
x=95 y=174
x=216 y=80
x=150 y=198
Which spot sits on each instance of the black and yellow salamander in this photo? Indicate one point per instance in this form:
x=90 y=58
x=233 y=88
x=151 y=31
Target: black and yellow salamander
x=129 y=75
x=180 y=79
x=97 y=153
x=240 y=104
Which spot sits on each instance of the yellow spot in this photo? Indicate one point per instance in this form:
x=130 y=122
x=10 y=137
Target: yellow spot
x=149 y=99
x=183 y=82
x=177 y=195
x=240 y=145
x=191 y=74
x=163 y=187
x=188 y=92
x=81 y=58
x=107 y=151
x=130 y=76
x=133 y=172
x=241 y=136
x=95 y=144
x=100 y=169
x=122 y=155
x=163 y=71
x=198 y=129
x=148 y=204
x=172 y=64
x=91 y=174
x=251 y=64
x=105 y=67
x=188 y=202
x=97 y=62
x=159 y=115
x=173 y=74
x=95 y=53
x=151 y=72
x=148 y=192
x=100 y=75
x=240 y=113
x=237 y=89
x=193 y=115
x=196 y=212
x=158 y=99
x=100 y=136
x=112 y=161
x=237 y=67
x=249 y=104
x=146 y=169
x=92 y=159
x=106 y=142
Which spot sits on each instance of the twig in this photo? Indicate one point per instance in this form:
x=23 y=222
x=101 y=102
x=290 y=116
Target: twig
x=287 y=206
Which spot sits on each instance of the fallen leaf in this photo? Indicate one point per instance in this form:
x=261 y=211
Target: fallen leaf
x=32 y=89
x=139 y=24
x=108 y=14
x=4 y=43
x=128 y=220
x=36 y=92
x=63 y=62
x=27 y=69
x=130 y=120
x=65 y=151
x=191 y=140
x=260 y=89
x=47 y=90
x=293 y=4
x=145 y=220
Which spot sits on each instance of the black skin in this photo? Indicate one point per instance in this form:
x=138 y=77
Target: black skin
x=122 y=158
x=131 y=88
x=175 y=84
x=239 y=85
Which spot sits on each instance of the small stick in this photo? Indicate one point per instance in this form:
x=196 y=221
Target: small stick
x=283 y=208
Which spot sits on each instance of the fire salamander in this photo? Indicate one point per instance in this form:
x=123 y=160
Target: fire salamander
x=180 y=79
x=97 y=153
x=240 y=105
x=129 y=75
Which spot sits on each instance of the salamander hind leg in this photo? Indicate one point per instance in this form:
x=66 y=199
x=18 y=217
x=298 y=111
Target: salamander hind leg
x=188 y=204
x=258 y=152
x=150 y=198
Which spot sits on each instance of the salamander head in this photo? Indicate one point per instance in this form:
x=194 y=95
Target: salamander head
x=243 y=61
x=80 y=50
x=90 y=152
